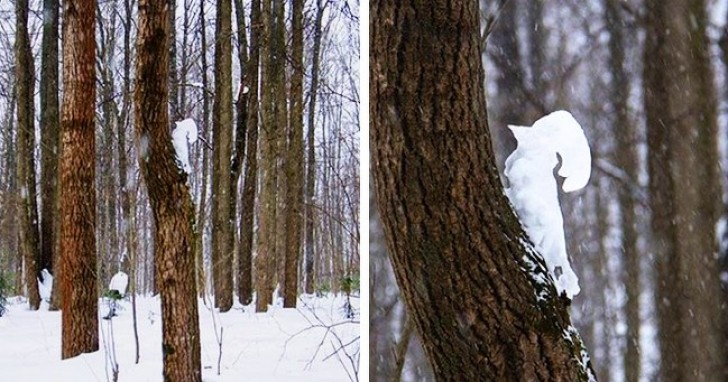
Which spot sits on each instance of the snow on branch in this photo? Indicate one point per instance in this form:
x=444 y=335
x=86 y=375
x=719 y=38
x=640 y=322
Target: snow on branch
x=533 y=190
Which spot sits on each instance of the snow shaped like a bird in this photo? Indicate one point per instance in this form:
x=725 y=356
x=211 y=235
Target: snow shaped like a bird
x=45 y=287
x=533 y=190
x=185 y=132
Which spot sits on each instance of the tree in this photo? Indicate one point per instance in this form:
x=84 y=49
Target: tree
x=169 y=198
x=222 y=124
x=49 y=122
x=294 y=168
x=458 y=251
x=29 y=240
x=682 y=131
x=77 y=174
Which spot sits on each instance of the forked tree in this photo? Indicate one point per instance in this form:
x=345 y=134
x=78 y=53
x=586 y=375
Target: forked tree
x=77 y=173
x=460 y=255
x=169 y=197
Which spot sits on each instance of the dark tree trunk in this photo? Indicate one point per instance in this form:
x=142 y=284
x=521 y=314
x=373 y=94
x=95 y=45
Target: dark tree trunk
x=77 y=174
x=458 y=251
x=685 y=191
x=169 y=197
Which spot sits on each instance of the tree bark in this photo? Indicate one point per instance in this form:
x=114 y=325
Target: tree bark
x=222 y=124
x=77 y=174
x=29 y=236
x=461 y=257
x=294 y=168
x=169 y=197
x=681 y=133
x=310 y=282
x=250 y=183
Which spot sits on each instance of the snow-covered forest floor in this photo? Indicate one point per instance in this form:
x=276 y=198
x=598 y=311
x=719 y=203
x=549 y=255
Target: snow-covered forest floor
x=282 y=344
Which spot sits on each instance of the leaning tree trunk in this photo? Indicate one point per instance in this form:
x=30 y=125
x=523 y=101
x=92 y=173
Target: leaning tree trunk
x=459 y=252
x=169 y=198
x=77 y=174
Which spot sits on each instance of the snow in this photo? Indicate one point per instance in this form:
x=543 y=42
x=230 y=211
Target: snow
x=533 y=189
x=280 y=345
x=119 y=282
x=185 y=133
x=45 y=285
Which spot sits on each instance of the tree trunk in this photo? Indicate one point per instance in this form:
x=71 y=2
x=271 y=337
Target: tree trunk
x=294 y=168
x=200 y=228
x=461 y=259
x=77 y=174
x=169 y=197
x=308 y=267
x=222 y=124
x=265 y=260
x=681 y=134
x=49 y=121
x=29 y=240
x=250 y=183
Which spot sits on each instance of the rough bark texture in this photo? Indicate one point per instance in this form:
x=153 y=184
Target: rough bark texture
x=250 y=183
x=29 y=236
x=77 y=174
x=460 y=255
x=681 y=133
x=169 y=198
x=308 y=267
x=626 y=159
x=294 y=168
x=222 y=125
x=265 y=259
x=49 y=122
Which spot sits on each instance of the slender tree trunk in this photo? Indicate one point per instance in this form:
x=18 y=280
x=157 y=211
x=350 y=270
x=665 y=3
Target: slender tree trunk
x=311 y=153
x=200 y=228
x=49 y=122
x=250 y=183
x=281 y=127
x=222 y=124
x=294 y=168
x=169 y=197
x=265 y=260
x=29 y=236
x=460 y=258
x=77 y=174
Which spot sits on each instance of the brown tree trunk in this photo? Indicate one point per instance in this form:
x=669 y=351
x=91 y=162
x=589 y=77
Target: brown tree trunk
x=245 y=248
x=169 y=198
x=459 y=252
x=280 y=131
x=29 y=236
x=222 y=124
x=294 y=168
x=308 y=266
x=49 y=121
x=265 y=260
x=626 y=159
x=77 y=174
x=683 y=159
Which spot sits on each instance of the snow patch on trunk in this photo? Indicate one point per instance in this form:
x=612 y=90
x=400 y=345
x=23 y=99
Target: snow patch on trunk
x=533 y=189
x=185 y=133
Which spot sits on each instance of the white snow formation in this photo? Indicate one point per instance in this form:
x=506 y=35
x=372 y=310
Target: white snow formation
x=119 y=282
x=184 y=133
x=533 y=191
x=45 y=287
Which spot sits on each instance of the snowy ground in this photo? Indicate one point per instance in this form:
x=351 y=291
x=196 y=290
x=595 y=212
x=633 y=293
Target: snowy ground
x=270 y=346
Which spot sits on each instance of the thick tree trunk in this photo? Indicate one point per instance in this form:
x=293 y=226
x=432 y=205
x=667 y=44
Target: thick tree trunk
x=681 y=133
x=459 y=253
x=77 y=174
x=222 y=125
x=250 y=183
x=169 y=198
x=29 y=236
